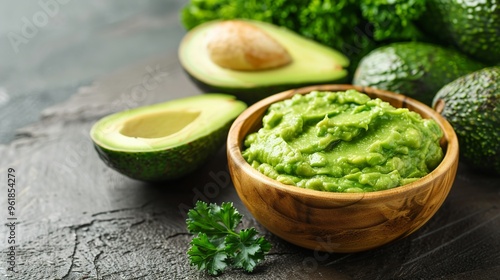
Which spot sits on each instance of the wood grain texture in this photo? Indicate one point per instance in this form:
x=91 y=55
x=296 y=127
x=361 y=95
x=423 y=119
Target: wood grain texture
x=340 y=222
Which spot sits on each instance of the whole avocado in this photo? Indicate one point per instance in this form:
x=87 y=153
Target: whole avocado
x=415 y=69
x=473 y=27
x=472 y=106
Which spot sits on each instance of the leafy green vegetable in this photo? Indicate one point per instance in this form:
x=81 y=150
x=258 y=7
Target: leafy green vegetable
x=336 y=23
x=217 y=245
x=394 y=19
x=280 y=12
x=353 y=27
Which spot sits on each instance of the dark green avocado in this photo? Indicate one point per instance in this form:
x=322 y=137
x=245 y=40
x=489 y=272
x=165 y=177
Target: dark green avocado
x=415 y=69
x=168 y=140
x=310 y=63
x=473 y=27
x=472 y=106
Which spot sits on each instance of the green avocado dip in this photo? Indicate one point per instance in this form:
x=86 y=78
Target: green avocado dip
x=343 y=142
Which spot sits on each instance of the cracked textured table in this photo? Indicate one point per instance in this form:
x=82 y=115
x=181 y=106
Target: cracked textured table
x=78 y=219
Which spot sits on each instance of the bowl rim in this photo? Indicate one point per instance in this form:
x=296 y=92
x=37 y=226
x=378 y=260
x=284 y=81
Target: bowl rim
x=449 y=139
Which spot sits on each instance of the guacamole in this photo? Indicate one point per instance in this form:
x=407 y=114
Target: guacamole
x=343 y=142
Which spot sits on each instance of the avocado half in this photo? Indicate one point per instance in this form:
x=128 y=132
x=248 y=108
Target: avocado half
x=415 y=69
x=168 y=140
x=311 y=63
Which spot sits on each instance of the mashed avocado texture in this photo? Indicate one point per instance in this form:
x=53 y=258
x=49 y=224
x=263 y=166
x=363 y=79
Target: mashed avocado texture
x=343 y=142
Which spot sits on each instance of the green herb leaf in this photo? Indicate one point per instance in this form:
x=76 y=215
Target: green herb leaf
x=247 y=248
x=207 y=255
x=209 y=220
x=217 y=243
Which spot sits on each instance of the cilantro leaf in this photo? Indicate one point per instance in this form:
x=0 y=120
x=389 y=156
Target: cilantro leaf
x=207 y=255
x=202 y=219
x=217 y=244
x=247 y=248
x=230 y=216
x=213 y=219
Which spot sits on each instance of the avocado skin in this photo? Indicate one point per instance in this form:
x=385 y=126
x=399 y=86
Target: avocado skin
x=472 y=106
x=255 y=94
x=473 y=27
x=170 y=164
x=415 y=69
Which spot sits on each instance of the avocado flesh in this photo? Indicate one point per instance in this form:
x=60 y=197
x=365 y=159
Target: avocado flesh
x=168 y=140
x=473 y=27
x=415 y=69
x=312 y=63
x=471 y=104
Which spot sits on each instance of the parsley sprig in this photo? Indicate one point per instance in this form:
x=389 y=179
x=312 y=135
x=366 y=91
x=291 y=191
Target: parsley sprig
x=217 y=245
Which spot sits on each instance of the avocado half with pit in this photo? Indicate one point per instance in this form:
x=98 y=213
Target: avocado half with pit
x=253 y=59
x=168 y=140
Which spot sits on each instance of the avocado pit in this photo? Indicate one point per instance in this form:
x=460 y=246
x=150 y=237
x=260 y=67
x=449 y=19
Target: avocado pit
x=238 y=45
x=310 y=63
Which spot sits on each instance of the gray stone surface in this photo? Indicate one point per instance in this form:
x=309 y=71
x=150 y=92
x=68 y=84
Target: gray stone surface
x=78 y=219
x=43 y=62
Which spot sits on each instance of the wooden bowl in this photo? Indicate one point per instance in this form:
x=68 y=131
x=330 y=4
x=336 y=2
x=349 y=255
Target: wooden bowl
x=339 y=222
